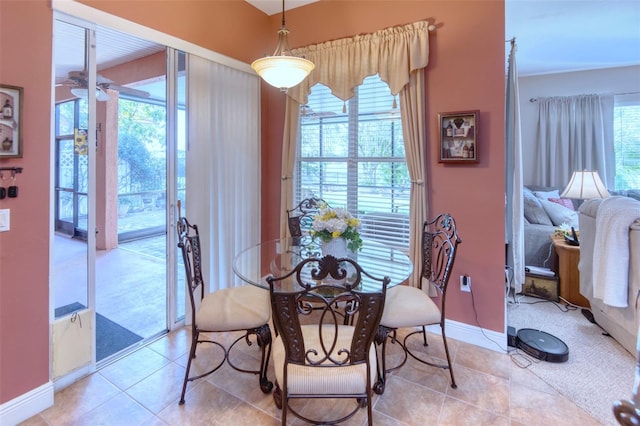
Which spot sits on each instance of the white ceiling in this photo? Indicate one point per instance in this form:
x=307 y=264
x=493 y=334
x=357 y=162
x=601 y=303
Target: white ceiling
x=572 y=35
x=551 y=36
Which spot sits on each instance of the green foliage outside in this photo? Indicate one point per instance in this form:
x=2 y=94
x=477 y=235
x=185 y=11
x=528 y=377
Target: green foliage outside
x=141 y=147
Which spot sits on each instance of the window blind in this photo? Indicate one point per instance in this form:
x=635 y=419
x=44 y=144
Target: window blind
x=351 y=154
x=626 y=139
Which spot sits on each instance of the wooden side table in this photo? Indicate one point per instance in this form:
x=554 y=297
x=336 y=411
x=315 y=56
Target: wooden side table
x=565 y=264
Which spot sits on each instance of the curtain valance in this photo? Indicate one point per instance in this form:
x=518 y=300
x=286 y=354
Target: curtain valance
x=343 y=64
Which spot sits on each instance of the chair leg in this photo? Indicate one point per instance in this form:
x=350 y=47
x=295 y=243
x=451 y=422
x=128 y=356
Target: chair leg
x=425 y=361
x=381 y=364
x=424 y=335
x=384 y=334
x=192 y=354
x=263 y=340
x=280 y=399
x=446 y=351
x=369 y=409
x=263 y=335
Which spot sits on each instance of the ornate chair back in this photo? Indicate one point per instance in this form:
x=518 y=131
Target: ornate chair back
x=189 y=243
x=313 y=344
x=300 y=218
x=439 y=244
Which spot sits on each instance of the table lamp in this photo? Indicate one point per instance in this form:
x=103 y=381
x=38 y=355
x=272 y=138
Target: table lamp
x=585 y=185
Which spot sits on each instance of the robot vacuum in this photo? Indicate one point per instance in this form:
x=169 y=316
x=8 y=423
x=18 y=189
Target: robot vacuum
x=541 y=345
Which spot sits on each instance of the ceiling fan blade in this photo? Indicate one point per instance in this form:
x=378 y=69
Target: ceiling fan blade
x=128 y=90
x=80 y=79
x=83 y=77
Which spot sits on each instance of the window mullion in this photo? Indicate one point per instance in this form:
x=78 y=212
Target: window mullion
x=352 y=165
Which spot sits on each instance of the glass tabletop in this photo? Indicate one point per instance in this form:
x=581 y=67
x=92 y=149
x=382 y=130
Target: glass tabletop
x=280 y=256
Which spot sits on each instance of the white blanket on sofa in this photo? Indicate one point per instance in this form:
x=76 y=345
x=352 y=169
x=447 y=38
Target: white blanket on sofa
x=611 y=250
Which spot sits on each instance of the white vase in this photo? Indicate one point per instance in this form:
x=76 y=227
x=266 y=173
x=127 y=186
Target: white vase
x=337 y=247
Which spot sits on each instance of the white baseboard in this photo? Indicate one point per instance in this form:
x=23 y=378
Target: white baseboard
x=487 y=339
x=26 y=405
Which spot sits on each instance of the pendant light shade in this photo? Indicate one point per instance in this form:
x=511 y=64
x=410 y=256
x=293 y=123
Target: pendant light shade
x=282 y=70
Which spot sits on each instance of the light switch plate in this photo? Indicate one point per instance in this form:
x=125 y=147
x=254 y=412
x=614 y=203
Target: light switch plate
x=4 y=220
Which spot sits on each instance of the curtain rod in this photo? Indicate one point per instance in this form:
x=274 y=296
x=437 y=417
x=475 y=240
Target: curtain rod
x=615 y=94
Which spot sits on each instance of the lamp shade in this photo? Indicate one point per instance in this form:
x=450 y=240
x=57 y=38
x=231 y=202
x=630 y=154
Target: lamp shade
x=585 y=185
x=282 y=71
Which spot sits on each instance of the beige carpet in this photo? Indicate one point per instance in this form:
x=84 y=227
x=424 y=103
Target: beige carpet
x=599 y=370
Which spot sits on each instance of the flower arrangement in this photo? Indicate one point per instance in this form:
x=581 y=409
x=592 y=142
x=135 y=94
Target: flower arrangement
x=330 y=223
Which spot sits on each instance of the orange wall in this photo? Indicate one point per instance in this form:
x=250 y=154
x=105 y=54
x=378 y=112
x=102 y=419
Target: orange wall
x=466 y=71
x=25 y=61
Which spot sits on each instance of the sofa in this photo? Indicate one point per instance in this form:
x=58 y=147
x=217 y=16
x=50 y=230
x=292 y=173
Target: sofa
x=610 y=238
x=544 y=211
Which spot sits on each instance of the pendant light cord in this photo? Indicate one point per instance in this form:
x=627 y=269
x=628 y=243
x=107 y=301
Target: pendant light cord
x=282 y=13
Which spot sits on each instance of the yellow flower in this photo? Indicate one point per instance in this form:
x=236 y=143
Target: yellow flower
x=335 y=234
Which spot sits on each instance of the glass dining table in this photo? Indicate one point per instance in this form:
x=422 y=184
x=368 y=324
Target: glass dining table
x=280 y=256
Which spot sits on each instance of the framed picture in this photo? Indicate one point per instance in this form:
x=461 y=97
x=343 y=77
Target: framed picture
x=10 y=121
x=458 y=137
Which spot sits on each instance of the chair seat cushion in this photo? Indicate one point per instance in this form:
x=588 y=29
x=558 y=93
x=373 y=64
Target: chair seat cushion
x=349 y=379
x=409 y=307
x=237 y=308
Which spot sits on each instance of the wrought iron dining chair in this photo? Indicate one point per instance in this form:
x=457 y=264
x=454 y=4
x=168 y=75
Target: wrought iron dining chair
x=245 y=308
x=407 y=306
x=314 y=355
x=300 y=218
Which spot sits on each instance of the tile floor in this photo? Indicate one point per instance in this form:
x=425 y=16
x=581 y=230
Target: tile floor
x=143 y=388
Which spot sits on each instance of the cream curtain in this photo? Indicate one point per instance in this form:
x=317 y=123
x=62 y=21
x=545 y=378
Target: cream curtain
x=223 y=172
x=413 y=131
x=292 y=114
x=398 y=55
x=342 y=64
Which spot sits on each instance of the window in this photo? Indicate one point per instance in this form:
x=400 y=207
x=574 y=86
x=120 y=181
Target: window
x=351 y=154
x=626 y=140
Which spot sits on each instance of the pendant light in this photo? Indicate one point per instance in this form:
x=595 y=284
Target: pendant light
x=282 y=70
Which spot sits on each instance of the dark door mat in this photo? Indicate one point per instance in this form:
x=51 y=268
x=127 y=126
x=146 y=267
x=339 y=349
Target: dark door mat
x=110 y=336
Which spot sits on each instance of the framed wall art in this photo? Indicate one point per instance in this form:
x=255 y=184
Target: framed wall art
x=10 y=121
x=458 y=137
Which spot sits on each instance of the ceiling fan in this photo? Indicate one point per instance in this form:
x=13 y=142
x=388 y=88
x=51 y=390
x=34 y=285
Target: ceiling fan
x=78 y=82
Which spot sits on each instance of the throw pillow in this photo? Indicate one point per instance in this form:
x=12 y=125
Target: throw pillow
x=545 y=195
x=563 y=202
x=560 y=214
x=533 y=210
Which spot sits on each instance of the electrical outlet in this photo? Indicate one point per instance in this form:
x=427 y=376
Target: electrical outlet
x=465 y=283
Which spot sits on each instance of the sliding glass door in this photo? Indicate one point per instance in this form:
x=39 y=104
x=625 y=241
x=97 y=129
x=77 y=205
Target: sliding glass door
x=117 y=168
